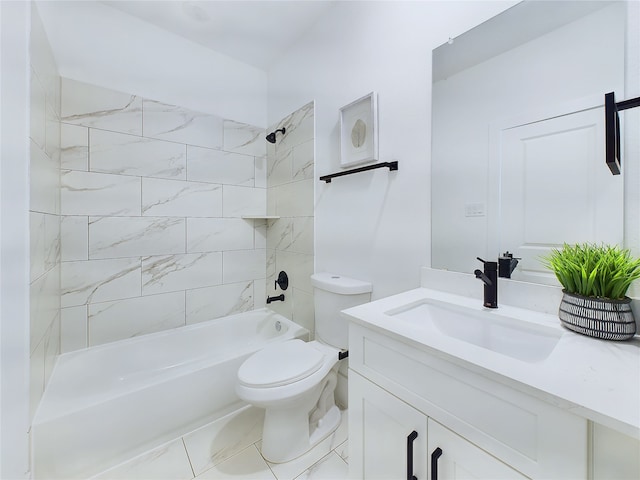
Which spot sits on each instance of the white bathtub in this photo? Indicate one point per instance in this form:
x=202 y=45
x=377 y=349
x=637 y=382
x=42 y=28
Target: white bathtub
x=107 y=403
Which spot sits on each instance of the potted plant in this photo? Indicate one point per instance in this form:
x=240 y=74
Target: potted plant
x=595 y=280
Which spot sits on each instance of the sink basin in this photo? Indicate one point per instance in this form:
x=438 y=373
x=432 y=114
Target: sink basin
x=488 y=329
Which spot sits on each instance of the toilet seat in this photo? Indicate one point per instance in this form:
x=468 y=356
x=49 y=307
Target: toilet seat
x=272 y=366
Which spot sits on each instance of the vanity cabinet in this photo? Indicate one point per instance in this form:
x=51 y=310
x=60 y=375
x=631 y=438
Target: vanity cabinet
x=396 y=441
x=485 y=428
x=386 y=430
x=452 y=457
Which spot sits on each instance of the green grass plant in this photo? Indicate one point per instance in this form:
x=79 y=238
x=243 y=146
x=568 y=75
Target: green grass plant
x=591 y=270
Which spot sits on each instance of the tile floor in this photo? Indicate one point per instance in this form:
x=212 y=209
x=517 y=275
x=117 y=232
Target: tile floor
x=229 y=449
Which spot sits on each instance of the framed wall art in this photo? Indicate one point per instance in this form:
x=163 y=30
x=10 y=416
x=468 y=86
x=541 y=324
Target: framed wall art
x=359 y=131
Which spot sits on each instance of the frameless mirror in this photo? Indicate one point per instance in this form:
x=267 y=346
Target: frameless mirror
x=518 y=158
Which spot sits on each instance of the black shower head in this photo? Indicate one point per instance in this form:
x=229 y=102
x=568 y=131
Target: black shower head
x=271 y=138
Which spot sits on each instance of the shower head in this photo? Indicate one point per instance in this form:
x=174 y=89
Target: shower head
x=271 y=138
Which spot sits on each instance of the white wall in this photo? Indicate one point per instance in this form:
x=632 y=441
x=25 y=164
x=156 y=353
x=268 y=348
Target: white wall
x=14 y=239
x=100 y=45
x=374 y=225
x=631 y=148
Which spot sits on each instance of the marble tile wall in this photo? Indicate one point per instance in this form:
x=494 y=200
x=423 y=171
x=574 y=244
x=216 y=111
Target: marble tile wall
x=290 y=194
x=44 y=212
x=152 y=202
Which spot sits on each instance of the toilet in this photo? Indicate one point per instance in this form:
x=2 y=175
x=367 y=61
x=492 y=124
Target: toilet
x=294 y=381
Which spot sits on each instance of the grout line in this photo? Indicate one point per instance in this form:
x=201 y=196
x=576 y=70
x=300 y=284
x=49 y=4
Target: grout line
x=185 y=308
x=86 y=325
x=188 y=457
x=186 y=162
x=265 y=460
x=88 y=149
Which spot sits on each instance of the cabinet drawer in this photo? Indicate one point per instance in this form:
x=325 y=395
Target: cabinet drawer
x=533 y=436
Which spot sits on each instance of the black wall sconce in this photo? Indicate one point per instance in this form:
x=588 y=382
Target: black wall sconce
x=612 y=129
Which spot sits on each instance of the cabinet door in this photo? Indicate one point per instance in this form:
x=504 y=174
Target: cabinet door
x=614 y=455
x=381 y=434
x=459 y=459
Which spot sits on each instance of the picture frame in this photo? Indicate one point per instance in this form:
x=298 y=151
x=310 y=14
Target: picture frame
x=359 y=131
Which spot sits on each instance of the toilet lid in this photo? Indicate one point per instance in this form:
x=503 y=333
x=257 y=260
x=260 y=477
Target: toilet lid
x=280 y=364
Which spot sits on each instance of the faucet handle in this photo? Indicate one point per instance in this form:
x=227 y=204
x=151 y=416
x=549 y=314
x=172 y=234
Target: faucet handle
x=489 y=266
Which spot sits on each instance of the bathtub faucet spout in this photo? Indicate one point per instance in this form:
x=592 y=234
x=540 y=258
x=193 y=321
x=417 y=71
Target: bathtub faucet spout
x=274 y=299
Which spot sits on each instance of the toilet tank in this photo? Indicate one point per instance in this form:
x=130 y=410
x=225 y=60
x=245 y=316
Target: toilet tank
x=331 y=294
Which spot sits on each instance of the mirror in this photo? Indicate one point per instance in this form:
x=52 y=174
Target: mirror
x=518 y=158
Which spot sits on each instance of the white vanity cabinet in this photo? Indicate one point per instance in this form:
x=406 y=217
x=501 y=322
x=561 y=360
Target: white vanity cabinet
x=452 y=457
x=484 y=428
x=385 y=430
x=396 y=441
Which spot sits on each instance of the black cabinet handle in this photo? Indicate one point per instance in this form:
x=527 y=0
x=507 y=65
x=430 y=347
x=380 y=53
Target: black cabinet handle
x=434 y=463
x=412 y=436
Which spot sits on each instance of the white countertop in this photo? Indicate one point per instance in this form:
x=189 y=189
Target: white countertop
x=595 y=379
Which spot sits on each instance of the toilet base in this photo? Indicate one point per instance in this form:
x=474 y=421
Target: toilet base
x=280 y=445
x=326 y=426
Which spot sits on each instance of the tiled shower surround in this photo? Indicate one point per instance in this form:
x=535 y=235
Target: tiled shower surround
x=152 y=231
x=44 y=212
x=153 y=197
x=290 y=195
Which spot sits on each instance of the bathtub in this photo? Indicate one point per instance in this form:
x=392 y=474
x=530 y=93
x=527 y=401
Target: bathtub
x=108 y=403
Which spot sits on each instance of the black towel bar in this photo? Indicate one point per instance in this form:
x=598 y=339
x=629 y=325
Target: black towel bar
x=392 y=166
x=612 y=129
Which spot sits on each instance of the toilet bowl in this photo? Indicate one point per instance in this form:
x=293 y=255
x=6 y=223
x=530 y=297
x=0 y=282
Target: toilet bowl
x=298 y=396
x=295 y=381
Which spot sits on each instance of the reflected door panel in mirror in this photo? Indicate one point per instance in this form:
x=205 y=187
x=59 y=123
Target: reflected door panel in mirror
x=547 y=66
x=554 y=188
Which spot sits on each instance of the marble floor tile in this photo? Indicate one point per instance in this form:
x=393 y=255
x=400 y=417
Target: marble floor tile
x=343 y=451
x=292 y=469
x=246 y=465
x=331 y=467
x=223 y=439
x=230 y=449
x=167 y=462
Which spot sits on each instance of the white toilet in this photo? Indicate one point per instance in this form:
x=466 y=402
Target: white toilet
x=294 y=381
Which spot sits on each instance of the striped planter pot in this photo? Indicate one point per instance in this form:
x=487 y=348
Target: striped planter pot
x=598 y=317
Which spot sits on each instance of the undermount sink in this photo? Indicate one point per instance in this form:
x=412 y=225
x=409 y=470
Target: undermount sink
x=488 y=329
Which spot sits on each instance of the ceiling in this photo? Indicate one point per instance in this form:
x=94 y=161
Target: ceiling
x=515 y=26
x=253 y=32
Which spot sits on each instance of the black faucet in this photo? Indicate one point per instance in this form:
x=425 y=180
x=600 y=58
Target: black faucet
x=507 y=263
x=279 y=298
x=490 y=279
